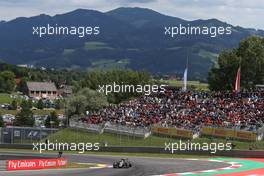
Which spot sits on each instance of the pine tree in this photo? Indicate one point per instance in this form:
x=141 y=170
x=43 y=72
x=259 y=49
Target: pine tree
x=52 y=120
x=25 y=116
x=1 y=121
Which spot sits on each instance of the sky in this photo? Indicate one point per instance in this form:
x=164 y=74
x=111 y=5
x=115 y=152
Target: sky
x=245 y=13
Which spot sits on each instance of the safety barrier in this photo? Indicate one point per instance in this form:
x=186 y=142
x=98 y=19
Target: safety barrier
x=172 y=132
x=229 y=133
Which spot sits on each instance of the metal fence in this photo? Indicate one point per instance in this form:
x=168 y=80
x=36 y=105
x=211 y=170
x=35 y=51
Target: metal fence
x=111 y=128
x=260 y=134
x=89 y=127
x=125 y=130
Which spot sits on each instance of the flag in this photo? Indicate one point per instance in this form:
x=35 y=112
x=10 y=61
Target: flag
x=185 y=79
x=237 y=84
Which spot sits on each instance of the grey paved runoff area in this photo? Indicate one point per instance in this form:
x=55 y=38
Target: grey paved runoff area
x=142 y=166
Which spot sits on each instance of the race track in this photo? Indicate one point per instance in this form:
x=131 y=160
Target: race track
x=141 y=166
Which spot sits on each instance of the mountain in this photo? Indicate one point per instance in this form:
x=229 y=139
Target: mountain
x=129 y=37
x=140 y=17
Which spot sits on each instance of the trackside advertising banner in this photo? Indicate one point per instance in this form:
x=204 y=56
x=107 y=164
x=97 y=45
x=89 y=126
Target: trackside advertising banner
x=173 y=132
x=222 y=132
x=33 y=164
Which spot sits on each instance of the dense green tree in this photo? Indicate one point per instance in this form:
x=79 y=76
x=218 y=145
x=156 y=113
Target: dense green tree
x=25 y=116
x=76 y=105
x=251 y=52
x=2 y=83
x=1 y=121
x=85 y=100
x=59 y=104
x=220 y=77
x=29 y=103
x=22 y=86
x=40 y=104
x=94 y=99
x=14 y=104
x=8 y=80
x=52 y=120
x=249 y=55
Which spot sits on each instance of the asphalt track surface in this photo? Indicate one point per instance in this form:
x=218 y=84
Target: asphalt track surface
x=142 y=166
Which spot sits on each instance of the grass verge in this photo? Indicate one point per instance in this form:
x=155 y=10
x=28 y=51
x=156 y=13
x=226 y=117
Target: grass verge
x=81 y=136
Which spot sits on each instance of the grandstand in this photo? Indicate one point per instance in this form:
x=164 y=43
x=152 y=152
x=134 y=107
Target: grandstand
x=237 y=115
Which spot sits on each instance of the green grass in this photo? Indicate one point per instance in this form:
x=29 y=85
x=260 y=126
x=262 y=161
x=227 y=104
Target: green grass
x=78 y=135
x=5 y=98
x=195 y=84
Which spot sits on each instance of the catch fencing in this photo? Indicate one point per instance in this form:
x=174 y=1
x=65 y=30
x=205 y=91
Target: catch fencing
x=260 y=134
x=126 y=130
x=89 y=127
x=172 y=132
x=112 y=128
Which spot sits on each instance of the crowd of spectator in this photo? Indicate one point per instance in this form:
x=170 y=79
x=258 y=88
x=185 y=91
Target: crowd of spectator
x=188 y=110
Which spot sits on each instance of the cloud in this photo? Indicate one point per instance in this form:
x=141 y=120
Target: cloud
x=138 y=1
x=243 y=12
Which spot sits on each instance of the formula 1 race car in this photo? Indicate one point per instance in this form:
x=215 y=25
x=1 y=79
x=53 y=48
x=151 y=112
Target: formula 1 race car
x=123 y=163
